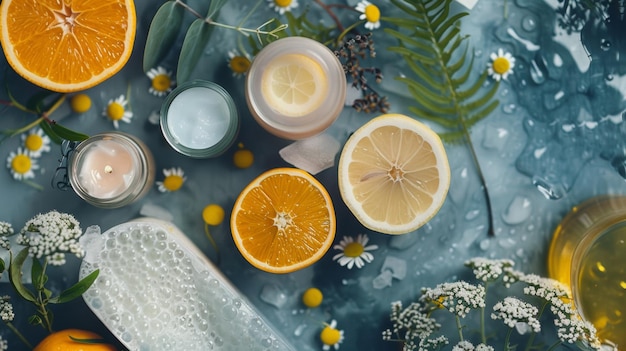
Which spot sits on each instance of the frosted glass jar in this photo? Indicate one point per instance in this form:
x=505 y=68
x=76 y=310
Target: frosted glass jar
x=199 y=119
x=111 y=170
x=298 y=122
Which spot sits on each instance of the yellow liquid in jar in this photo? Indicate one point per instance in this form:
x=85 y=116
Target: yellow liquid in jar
x=588 y=253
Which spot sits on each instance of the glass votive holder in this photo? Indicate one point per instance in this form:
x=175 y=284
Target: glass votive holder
x=295 y=88
x=199 y=119
x=588 y=254
x=111 y=169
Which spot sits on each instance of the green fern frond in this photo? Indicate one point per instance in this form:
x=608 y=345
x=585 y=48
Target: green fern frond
x=436 y=53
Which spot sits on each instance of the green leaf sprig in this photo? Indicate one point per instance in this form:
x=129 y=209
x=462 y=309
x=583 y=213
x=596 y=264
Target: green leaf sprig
x=41 y=296
x=43 y=107
x=442 y=87
x=167 y=23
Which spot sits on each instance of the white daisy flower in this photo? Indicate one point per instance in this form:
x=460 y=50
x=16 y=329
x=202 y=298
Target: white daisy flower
x=370 y=13
x=116 y=111
x=501 y=65
x=331 y=336
x=162 y=82
x=239 y=63
x=282 y=6
x=36 y=142
x=354 y=252
x=22 y=164
x=174 y=180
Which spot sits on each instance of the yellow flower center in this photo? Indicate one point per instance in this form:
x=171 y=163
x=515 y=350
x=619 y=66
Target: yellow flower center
x=353 y=249
x=173 y=182
x=213 y=214
x=115 y=111
x=33 y=142
x=80 y=103
x=282 y=3
x=501 y=65
x=21 y=164
x=161 y=83
x=330 y=336
x=240 y=64
x=372 y=13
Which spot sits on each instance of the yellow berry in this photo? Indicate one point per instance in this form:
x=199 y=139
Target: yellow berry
x=80 y=103
x=330 y=336
x=312 y=297
x=213 y=214
x=243 y=158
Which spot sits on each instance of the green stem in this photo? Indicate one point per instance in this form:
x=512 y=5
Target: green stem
x=507 y=340
x=554 y=346
x=19 y=335
x=506 y=9
x=459 y=327
x=212 y=241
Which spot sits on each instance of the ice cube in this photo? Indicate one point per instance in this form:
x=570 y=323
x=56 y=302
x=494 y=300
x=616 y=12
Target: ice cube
x=154 y=211
x=518 y=210
x=313 y=154
x=382 y=280
x=396 y=266
x=273 y=295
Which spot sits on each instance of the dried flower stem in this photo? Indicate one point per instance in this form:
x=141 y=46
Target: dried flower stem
x=19 y=335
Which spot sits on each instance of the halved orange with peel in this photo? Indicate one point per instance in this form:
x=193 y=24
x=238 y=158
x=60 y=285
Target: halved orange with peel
x=67 y=45
x=283 y=221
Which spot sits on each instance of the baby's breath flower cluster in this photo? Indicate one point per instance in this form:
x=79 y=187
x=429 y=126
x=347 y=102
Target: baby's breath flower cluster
x=6 y=230
x=51 y=235
x=416 y=327
x=457 y=297
x=6 y=309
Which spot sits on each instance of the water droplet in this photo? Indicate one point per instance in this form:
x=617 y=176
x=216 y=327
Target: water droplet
x=557 y=60
x=518 y=210
x=609 y=77
x=509 y=108
x=529 y=23
x=605 y=44
x=536 y=73
x=550 y=191
x=471 y=214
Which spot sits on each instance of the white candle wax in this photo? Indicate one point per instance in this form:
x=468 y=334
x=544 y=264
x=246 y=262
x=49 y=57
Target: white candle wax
x=198 y=118
x=107 y=169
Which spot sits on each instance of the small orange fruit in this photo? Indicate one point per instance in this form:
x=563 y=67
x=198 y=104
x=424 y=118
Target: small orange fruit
x=62 y=341
x=283 y=221
x=67 y=46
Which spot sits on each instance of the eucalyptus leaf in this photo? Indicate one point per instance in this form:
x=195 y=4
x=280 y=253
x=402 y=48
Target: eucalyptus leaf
x=2 y=266
x=77 y=289
x=15 y=275
x=66 y=133
x=37 y=274
x=196 y=39
x=162 y=34
x=214 y=7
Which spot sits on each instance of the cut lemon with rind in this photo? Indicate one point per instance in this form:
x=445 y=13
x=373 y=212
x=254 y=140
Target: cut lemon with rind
x=294 y=85
x=283 y=221
x=67 y=46
x=393 y=174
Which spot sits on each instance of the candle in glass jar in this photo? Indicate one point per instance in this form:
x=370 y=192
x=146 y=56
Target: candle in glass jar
x=111 y=169
x=199 y=119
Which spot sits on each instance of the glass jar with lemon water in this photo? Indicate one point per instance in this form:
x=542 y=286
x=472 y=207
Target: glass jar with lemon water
x=588 y=253
x=296 y=88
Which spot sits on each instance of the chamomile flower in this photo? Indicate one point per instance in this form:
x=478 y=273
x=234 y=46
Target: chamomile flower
x=36 y=142
x=22 y=164
x=501 y=65
x=370 y=13
x=239 y=63
x=282 y=6
x=354 y=252
x=331 y=336
x=161 y=81
x=116 y=111
x=174 y=180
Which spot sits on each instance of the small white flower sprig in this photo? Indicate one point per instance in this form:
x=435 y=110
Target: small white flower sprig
x=46 y=239
x=542 y=300
x=51 y=235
